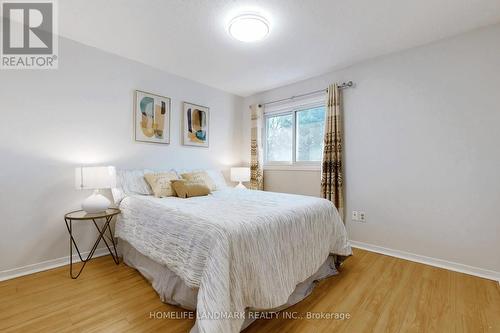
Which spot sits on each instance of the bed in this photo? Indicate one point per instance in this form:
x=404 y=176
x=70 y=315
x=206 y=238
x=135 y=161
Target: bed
x=231 y=252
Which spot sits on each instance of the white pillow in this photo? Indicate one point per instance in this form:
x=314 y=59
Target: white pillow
x=218 y=179
x=216 y=176
x=133 y=182
x=130 y=182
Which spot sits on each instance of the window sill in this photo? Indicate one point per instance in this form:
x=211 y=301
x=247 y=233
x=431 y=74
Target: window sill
x=292 y=167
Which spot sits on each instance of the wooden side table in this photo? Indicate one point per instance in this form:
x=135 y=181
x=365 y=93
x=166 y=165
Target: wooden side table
x=81 y=215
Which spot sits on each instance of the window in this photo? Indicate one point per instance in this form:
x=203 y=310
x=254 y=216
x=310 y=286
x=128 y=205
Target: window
x=295 y=136
x=310 y=131
x=279 y=137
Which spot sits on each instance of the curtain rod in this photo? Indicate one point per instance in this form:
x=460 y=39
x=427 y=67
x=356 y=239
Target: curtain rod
x=343 y=85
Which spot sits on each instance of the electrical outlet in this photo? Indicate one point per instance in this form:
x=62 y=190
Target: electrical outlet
x=355 y=216
x=362 y=217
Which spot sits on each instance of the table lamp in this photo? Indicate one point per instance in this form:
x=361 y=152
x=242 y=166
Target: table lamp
x=240 y=175
x=95 y=178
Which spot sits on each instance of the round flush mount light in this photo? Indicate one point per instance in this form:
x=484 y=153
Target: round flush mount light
x=249 y=27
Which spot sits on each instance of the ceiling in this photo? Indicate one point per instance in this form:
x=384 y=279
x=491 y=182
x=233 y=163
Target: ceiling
x=308 y=37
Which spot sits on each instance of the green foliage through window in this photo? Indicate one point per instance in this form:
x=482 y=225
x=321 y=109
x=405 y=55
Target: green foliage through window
x=310 y=129
x=308 y=126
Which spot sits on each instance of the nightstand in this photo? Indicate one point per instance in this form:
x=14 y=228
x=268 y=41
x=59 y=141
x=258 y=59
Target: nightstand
x=81 y=215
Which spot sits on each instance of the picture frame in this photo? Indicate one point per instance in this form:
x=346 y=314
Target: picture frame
x=152 y=117
x=196 y=125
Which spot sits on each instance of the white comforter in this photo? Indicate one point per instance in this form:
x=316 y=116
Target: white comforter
x=241 y=248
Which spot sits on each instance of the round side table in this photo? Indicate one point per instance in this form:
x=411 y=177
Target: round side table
x=81 y=215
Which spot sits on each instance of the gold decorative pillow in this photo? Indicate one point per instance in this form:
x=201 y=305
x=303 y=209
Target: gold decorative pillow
x=200 y=177
x=188 y=189
x=160 y=183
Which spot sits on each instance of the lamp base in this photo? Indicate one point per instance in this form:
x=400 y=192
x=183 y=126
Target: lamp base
x=240 y=186
x=96 y=203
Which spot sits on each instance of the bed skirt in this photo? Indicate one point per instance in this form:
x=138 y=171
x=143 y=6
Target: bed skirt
x=173 y=290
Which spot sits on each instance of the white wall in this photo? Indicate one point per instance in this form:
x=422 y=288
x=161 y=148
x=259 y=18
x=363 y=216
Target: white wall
x=421 y=148
x=304 y=182
x=82 y=113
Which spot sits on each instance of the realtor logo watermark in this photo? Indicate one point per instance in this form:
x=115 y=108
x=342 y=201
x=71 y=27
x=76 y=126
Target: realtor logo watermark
x=29 y=34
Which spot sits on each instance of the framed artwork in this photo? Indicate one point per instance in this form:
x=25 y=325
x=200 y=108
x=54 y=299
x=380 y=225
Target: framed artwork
x=196 y=125
x=152 y=118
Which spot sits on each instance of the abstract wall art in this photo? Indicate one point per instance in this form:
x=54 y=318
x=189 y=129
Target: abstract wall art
x=196 y=125
x=152 y=118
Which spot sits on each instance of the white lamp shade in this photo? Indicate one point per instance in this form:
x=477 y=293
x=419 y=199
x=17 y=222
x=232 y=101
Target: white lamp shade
x=240 y=174
x=92 y=178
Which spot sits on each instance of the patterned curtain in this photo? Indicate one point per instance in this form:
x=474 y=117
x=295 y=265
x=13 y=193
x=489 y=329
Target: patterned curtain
x=332 y=180
x=257 y=154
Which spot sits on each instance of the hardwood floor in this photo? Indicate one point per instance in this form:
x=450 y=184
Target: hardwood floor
x=380 y=293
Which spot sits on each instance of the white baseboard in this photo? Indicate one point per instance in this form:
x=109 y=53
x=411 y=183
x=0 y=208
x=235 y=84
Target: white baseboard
x=46 y=265
x=452 y=266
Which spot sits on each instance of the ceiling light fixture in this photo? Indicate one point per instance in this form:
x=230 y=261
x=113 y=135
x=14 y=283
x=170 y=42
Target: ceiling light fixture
x=249 y=27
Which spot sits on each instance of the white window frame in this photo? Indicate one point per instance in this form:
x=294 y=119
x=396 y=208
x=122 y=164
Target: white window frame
x=285 y=109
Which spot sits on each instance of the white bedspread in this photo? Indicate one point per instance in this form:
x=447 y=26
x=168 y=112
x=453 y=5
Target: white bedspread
x=241 y=248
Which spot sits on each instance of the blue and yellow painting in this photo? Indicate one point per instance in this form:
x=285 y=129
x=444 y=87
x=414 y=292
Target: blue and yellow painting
x=196 y=125
x=153 y=113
